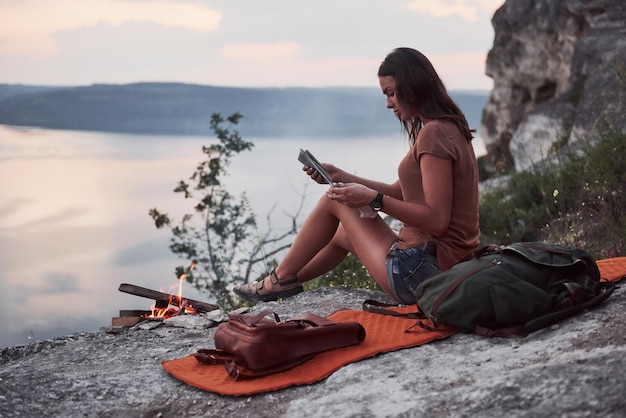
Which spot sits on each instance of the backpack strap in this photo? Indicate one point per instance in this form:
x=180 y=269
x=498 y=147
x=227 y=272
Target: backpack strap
x=501 y=332
x=382 y=308
x=566 y=310
x=606 y=289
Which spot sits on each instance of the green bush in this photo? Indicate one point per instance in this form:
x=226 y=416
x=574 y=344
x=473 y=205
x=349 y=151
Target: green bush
x=576 y=201
x=349 y=273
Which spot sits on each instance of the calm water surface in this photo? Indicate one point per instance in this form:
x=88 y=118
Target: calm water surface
x=74 y=218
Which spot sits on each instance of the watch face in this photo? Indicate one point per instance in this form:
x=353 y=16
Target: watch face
x=377 y=204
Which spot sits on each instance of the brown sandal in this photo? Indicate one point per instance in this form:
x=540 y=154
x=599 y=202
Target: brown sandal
x=287 y=287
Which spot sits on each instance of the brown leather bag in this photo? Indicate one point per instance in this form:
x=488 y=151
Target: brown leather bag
x=255 y=345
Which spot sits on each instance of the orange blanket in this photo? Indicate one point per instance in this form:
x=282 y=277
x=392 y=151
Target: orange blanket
x=383 y=334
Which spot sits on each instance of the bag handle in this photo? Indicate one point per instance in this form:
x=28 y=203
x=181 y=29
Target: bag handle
x=487 y=249
x=306 y=317
x=253 y=320
x=312 y=319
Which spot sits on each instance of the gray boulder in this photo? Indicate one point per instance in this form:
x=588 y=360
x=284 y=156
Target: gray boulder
x=559 y=74
x=573 y=369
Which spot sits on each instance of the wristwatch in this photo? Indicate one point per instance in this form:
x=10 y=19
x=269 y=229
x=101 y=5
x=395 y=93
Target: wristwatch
x=377 y=203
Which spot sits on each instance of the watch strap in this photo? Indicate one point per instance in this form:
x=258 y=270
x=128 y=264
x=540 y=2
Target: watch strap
x=377 y=203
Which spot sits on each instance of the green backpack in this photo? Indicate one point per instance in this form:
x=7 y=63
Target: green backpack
x=513 y=289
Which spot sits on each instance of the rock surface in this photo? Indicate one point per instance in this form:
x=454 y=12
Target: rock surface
x=574 y=369
x=559 y=73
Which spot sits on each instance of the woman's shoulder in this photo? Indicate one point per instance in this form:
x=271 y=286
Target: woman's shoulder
x=442 y=138
x=442 y=127
x=441 y=130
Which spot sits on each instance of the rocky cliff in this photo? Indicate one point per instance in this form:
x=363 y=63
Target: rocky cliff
x=573 y=369
x=559 y=73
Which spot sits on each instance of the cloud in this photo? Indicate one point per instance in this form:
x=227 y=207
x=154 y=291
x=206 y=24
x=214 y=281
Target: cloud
x=14 y=206
x=467 y=10
x=57 y=219
x=28 y=27
x=234 y=43
x=59 y=283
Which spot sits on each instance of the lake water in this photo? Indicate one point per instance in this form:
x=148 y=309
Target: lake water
x=74 y=218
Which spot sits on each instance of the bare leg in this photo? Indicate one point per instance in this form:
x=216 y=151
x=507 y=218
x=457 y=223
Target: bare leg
x=324 y=261
x=328 y=234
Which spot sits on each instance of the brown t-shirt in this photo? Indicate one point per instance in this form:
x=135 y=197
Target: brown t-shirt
x=443 y=139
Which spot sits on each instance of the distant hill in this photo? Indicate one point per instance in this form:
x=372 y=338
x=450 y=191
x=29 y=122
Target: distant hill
x=185 y=109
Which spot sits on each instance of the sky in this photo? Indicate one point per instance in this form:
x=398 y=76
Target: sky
x=239 y=43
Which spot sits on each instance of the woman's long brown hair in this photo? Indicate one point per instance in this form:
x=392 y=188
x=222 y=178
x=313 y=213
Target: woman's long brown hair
x=419 y=87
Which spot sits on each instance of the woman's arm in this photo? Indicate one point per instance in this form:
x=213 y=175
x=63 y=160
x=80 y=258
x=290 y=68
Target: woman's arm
x=341 y=176
x=432 y=215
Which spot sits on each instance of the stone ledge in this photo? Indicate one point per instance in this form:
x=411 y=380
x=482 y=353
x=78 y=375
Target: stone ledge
x=572 y=369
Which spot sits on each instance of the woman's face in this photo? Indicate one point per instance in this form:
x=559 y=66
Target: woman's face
x=388 y=86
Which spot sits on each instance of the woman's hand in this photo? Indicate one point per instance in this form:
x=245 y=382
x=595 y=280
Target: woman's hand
x=335 y=173
x=353 y=195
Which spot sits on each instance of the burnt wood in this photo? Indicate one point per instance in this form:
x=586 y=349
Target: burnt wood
x=125 y=321
x=133 y=313
x=156 y=295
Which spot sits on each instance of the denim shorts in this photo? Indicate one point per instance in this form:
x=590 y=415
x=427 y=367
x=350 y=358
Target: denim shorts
x=406 y=269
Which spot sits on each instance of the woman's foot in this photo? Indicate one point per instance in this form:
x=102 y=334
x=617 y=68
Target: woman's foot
x=269 y=289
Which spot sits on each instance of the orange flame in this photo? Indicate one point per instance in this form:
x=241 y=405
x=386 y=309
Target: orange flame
x=176 y=305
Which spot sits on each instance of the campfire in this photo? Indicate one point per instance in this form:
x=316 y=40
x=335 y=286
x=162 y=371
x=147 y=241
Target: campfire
x=166 y=305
